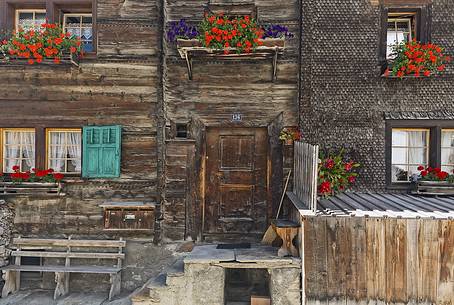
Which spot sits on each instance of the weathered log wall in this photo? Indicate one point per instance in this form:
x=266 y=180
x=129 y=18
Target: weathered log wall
x=378 y=261
x=118 y=86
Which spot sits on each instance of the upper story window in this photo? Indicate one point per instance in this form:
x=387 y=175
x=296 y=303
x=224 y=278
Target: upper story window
x=28 y=19
x=64 y=150
x=402 y=24
x=410 y=148
x=18 y=149
x=401 y=28
x=80 y=25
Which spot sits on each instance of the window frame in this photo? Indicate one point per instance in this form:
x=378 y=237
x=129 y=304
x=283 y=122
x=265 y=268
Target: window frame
x=48 y=131
x=426 y=147
x=435 y=127
x=26 y=10
x=2 y=143
x=423 y=22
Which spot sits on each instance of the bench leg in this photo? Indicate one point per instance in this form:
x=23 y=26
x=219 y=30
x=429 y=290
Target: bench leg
x=287 y=248
x=115 y=285
x=10 y=278
x=62 y=287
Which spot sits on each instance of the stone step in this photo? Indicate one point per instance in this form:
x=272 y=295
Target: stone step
x=175 y=274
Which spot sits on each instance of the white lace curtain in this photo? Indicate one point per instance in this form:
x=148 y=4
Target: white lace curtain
x=65 y=147
x=20 y=150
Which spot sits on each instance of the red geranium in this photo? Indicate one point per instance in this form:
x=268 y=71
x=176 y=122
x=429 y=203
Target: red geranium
x=335 y=174
x=413 y=58
x=434 y=174
x=49 y=42
x=238 y=34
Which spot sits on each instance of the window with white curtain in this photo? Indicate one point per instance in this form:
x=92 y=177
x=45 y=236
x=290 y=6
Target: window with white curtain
x=80 y=25
x=447 y=150
x=410 y=148
x=64 y=150
x=30 y=19
x=18 y=149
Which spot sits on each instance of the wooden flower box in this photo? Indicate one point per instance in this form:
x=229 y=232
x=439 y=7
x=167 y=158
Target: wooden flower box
x=30 y=188
x=67 y=59
x=434 y=188
x=192 y=48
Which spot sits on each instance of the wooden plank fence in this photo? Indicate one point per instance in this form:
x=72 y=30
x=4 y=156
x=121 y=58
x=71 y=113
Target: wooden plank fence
x=305 y=174
x=360 y=260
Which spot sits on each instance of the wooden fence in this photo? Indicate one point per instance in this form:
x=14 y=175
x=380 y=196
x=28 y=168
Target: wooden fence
x=360 y=260
x=305 y=174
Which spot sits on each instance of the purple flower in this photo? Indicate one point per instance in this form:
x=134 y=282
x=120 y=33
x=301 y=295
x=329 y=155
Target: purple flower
x=276 y=31
x=180 y=29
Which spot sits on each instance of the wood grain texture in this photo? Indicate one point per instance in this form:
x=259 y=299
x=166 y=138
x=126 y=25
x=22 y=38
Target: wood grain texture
x=378 y=261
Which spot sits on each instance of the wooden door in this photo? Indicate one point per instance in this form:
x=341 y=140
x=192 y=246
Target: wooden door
x=236 y=181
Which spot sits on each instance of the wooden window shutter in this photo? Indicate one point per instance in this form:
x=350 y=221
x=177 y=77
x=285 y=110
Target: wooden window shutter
x=101 y=151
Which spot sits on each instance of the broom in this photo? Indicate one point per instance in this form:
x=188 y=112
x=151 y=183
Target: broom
x=270 y=235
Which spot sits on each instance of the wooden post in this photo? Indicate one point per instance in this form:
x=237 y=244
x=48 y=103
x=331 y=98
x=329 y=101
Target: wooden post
x=61 y=289
x=115 y=284
x=10 y=282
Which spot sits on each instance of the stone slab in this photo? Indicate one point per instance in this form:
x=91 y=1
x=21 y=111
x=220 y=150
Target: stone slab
x=264 y=255
x=208 y=254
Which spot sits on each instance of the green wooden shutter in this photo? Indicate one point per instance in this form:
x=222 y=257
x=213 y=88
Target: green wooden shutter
x=101 y=151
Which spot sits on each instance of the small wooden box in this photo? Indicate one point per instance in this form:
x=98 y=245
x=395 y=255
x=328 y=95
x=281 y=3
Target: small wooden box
x=130 y=216
x=260 y=300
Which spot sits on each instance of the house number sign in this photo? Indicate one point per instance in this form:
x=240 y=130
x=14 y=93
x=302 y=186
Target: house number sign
x=237 y=117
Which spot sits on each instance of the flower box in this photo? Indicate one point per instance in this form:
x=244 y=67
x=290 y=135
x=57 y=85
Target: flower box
x=434 y=188
x=30 y=188
x=194 y=46
x=67 y=59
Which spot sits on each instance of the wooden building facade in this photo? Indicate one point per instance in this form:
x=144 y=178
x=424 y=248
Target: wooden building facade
x=163 y=179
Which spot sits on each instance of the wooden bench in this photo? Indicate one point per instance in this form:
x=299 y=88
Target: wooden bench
x=66 y=249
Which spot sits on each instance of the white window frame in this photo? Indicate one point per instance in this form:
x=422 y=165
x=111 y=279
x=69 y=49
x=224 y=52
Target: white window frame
x=34 y=11
x=65 y=15
x=396 y=18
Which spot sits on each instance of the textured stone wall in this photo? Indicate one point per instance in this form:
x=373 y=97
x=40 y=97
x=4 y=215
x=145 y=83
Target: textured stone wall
x=343 y=97
x=6 y=229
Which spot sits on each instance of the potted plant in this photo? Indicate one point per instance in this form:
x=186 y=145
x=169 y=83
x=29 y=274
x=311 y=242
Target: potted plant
x=335 y=174
x=50 y=44
x=433 y=180
x=289 y=135
x=416 y=59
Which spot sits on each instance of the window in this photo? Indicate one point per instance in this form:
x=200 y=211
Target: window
x=64 y=150
x=401 y=28
x=447 y=150
x=80 y=25
x=18 y=149
x=410 y=148
x=400 y=24
x=28 y=19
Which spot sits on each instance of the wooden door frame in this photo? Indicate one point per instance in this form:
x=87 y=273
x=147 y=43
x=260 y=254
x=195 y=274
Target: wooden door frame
x=197 y=185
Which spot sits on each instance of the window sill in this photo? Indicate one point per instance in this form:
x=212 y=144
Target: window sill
x=403 y=186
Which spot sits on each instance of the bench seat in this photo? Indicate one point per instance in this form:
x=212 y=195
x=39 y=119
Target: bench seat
x=70 y=269
x=65 y=250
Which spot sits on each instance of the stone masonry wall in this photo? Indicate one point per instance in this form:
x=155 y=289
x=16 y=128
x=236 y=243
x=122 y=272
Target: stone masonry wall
x=343 y=96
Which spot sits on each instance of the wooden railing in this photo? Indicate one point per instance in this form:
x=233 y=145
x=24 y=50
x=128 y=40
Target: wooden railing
x=305 y=167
